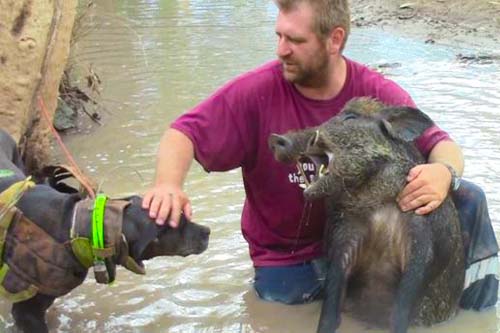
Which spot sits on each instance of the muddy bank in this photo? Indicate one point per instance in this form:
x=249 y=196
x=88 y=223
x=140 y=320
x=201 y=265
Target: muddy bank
x=469 y=23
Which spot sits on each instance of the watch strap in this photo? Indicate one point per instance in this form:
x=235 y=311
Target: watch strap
x=455 y=178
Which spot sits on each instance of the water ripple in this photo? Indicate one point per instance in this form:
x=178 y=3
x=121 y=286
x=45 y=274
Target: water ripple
x=159 y=58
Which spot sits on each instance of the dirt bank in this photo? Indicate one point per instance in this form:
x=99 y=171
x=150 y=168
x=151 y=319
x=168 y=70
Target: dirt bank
x=468 y=23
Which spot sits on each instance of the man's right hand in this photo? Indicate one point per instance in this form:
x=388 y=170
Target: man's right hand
x=167 y=201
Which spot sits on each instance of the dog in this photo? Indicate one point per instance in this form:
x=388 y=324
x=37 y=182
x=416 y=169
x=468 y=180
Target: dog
x=46 y=248
x=387 y=268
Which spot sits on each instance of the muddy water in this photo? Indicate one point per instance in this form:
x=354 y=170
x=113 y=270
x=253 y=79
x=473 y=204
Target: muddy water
x=158 y=58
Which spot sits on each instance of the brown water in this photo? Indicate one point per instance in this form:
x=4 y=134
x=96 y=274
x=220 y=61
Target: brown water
x=157 y=59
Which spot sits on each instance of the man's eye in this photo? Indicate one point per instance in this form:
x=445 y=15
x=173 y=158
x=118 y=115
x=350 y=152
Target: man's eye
x=296 y=40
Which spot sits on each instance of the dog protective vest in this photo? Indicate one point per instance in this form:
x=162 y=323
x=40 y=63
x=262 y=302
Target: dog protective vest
x=31 y=261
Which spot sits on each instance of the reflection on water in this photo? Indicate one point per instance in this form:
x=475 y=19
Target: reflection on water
x=157 y=59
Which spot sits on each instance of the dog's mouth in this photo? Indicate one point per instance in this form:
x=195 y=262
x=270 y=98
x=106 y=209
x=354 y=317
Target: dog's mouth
x=321 y=161
x=196 y=248
x=140 y=263
x=191 y=246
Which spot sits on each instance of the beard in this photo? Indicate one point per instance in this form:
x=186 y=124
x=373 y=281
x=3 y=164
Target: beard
x=307 y=74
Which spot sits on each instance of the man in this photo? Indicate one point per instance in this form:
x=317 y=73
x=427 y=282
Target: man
x=309 y=84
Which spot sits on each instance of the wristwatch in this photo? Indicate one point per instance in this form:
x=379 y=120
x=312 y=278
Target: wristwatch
x=455 y=178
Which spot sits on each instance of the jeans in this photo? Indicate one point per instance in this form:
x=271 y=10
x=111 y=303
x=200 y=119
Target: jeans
x=295 y=284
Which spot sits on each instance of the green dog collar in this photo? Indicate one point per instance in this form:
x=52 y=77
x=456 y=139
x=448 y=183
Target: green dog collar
x=98 y=222
x=101 y=273
x=6 y=173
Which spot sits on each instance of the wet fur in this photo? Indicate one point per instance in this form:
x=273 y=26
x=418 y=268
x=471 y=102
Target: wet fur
x=387 y=268
x=52 y=211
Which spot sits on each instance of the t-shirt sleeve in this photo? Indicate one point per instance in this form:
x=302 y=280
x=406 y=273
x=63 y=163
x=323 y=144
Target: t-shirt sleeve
x=219 y=128
x=392 y=94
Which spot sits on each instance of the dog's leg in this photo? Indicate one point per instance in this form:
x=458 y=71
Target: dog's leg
x=414 y=277
x=345 y=240
x=29 y=315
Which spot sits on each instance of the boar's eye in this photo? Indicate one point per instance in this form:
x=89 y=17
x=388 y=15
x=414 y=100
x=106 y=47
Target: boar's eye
x=349 y=116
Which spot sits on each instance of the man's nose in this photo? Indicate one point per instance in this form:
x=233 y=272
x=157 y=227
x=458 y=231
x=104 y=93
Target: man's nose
x=283 y=49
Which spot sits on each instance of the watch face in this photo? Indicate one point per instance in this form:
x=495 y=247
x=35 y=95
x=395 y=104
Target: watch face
x=455 y=183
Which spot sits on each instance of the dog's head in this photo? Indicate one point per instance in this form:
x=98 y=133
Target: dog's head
x=147 y=240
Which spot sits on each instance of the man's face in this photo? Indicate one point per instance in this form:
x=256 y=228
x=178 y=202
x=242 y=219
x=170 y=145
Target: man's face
x=304 y=56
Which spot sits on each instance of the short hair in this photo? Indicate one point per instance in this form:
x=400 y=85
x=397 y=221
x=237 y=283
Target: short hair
x=330 y=14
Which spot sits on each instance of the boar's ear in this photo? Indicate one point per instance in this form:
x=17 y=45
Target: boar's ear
x=405 y=123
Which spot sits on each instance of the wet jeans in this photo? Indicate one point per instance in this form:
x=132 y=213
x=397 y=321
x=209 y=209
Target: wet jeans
x=303 y=283
x=295 y=284
x=480 y=246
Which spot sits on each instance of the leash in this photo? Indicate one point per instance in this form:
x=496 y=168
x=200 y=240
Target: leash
x=92 y=251
x=82 y=178
x=100 y=270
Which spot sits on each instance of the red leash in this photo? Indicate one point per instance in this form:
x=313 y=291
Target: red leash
x=81 y=177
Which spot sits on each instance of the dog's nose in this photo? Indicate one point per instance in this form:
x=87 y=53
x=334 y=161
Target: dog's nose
x=205 y=231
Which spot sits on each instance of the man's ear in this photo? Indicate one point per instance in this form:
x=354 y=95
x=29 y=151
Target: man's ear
x=336 y=40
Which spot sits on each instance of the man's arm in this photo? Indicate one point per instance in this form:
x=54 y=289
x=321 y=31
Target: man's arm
x=166 y=197
x=429 y=184
x=448 y=152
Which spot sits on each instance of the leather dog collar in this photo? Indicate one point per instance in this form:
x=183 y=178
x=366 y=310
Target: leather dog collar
x=114 y=246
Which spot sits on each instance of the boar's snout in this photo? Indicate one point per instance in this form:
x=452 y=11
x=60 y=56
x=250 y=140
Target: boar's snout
x=281 y=146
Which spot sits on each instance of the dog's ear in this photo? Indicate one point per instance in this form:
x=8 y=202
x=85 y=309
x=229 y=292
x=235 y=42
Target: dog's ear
x=133 y=199
x=139 y=229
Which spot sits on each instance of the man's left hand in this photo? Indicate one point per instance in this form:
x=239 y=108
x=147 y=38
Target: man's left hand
x=428 y=186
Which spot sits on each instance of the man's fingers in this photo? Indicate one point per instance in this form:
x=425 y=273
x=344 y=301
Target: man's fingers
x=418 y=202
x=154 y=207
x=166 y=202
x=146 y=201
x=414 y=173
x=175 y=212
x=428 y=208
x=188 y=210
x=409 y=190
x=164 y=210
x=410 y=197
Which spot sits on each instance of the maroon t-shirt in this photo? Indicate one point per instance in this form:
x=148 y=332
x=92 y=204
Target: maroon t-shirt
x=230 y=129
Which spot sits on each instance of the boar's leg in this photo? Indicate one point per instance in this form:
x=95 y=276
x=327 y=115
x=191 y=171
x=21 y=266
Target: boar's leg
x=415 y=274
x=344 y=242
x=334 y=291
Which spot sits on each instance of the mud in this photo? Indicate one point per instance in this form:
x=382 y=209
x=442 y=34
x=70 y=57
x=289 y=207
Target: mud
x=474 y=23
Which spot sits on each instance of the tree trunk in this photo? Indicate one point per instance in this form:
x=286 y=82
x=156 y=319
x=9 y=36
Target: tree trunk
x=34 y=46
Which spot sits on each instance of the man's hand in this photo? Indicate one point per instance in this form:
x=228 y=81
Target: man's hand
x=428 y=186
x=166 y=201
